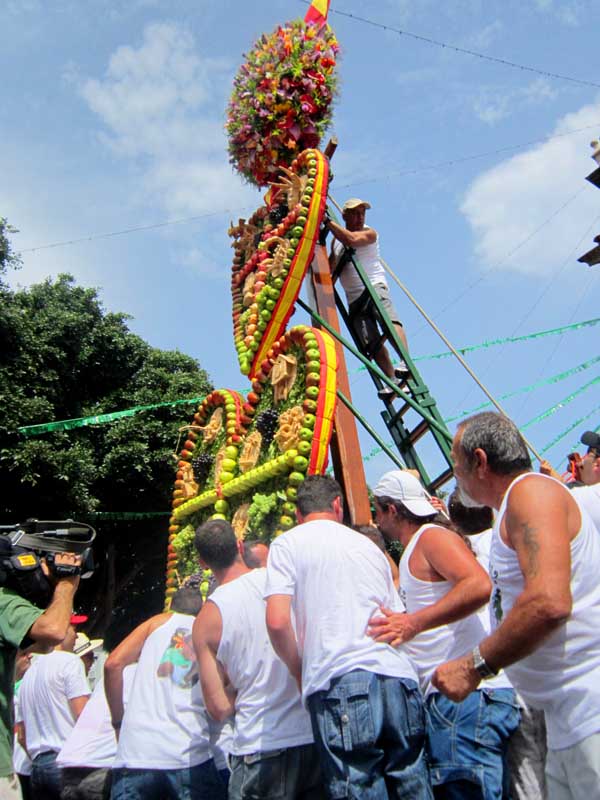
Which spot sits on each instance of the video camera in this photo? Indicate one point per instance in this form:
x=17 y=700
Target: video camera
x=23 y=546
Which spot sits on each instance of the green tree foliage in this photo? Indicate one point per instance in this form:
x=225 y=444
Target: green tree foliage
x=8 y=258
x=62 y=355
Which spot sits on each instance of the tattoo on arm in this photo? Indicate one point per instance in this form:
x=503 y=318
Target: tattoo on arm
x=532 y=548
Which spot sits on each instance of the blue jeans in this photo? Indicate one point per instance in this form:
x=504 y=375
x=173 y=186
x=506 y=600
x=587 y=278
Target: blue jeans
x=46 y=778
x=292 y=773
x=201 y=782
x=467 y=744
x=370 y=732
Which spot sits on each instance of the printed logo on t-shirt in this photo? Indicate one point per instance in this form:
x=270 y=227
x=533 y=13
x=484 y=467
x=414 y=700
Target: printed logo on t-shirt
x=179 y=660
x=496 y=596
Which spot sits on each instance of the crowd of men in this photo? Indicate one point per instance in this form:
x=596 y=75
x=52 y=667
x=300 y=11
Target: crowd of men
x=472 y=671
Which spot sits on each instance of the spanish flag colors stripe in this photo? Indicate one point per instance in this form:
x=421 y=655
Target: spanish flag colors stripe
x=317 y=12
x=325 y=403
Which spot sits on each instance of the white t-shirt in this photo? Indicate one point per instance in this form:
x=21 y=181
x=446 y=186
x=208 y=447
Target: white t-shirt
x=165 y=725
x=21 y=761
x=338 y=580
x=588 y=497
x=92 y=742
x=268 y=710
x=433 y=647
x=48 y=685
x=562 y=675
x=370 y=260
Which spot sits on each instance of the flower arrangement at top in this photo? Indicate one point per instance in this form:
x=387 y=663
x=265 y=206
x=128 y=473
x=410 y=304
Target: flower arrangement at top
x=282 y=98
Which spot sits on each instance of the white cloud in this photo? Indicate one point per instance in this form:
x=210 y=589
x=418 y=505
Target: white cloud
x=492 y=106
x=569 y=12
x=158 y=103
x=506 y=204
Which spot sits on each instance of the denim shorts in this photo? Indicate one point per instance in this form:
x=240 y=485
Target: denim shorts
x=201 y=782
x=370 y=732
x=363 y=317
x=467 y=744
x=287 y=774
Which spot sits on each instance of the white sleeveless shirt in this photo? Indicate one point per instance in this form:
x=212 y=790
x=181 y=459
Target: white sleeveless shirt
x=562 y=676
x=268 y=709
x=165 y=725
x=370 y=260
x=436 y=646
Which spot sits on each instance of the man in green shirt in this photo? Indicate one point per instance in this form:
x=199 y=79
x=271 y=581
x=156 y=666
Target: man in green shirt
x=24 y=625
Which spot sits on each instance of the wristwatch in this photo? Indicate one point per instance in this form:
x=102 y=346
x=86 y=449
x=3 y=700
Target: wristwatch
x=481 y=665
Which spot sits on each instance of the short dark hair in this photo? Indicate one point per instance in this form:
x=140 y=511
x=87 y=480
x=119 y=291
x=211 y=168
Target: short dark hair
x=374 y=534
x=216 y=543
x=187 y=600
x=317 y=493
x=248 y=556
x=469 y=520
x=403 y=512
x=499 y=438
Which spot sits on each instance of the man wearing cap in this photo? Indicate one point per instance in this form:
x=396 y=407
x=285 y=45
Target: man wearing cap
x=442 y=586
x=366 y=709
x=365 y=242
x=544 y=564
x=588 y=496
x=53 y=694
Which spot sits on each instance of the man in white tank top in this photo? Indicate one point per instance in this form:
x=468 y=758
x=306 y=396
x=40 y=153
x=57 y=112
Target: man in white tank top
x=442 y=586
x=165 y=742
x=544 y=563
x=365 y=242
x=273 y=746
x=324 y=582
x=588 y=496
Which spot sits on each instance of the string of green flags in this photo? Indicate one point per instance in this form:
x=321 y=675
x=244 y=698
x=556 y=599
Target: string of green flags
x=507 y=340
x=99 y=419
x=561 y=404
x=560 y=376
x=571 y=427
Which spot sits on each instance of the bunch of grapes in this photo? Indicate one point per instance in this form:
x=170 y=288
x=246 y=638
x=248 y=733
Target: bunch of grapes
x=278 y=214
x=266 y=424
x=201 y=466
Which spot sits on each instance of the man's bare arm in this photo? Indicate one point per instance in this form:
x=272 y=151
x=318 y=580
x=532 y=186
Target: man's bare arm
x=450 y=558
x=219 y=695
x=51 y=627
x=352 y=238
x=282 y=635
x=77 y=704
x=128 y=652
x=540 y=521
x=537 y=527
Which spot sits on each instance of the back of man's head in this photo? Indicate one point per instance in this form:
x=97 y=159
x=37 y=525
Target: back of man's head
x=372 y=533
x=187 y=600
x=216 y=544
x=255 y=553
x=316 y=494
x=499 y=438
x=467 y=519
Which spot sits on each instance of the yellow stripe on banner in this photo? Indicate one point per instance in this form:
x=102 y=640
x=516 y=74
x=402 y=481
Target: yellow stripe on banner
x=328 y=387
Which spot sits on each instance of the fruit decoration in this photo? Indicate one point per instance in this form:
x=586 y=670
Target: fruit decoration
x=271 y=258
x=292 y=434
x=282 y=98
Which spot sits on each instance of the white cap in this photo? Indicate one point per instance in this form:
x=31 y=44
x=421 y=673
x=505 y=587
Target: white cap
x=400 y=485
x=354 y=202
x=83 y=644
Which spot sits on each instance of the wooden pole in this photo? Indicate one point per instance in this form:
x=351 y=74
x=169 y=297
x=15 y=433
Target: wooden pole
x=345 y=447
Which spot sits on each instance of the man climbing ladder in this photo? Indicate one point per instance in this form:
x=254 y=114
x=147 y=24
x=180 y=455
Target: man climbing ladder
x=362 y=239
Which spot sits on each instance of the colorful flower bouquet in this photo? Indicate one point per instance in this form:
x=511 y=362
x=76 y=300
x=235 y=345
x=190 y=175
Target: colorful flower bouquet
x=282 y=98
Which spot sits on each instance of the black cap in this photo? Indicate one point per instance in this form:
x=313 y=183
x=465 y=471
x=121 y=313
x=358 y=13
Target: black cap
x=592 y=439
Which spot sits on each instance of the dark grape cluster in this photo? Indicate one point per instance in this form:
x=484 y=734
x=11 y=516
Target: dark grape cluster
x=194 y=581
x=201 y=466
x=278 y=214
x=266 y=424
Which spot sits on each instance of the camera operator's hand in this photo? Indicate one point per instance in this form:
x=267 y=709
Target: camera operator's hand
x=67 y=560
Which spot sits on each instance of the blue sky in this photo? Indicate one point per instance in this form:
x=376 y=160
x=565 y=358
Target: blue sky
x=112 y=118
